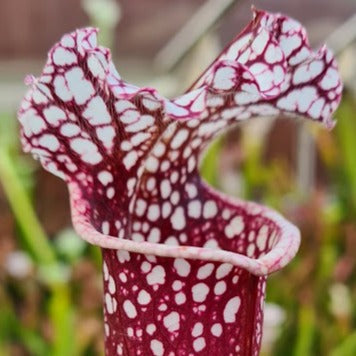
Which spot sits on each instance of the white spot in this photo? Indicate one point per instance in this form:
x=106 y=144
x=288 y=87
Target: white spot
x=67 y=41
x=81 y=88
x=205 y=271
x=289 y=43
x=316 y=108
x=143 y=297
x=197 y=329
x=191 y=190
x=143 y=123
x=122 y=105
x=32 y=123
x=215 y=101
x=105 y=271
x=109 y=303
x=172 y=241
x=54 y=115
x=223 y=270
x=231 y=309
x=179 y=138
x=87 y=149
x=261 y=238
x=200 y=292
x=163 y=307
x=106 y=135
x=145 y=267
x=216 y=329
x=165 y=188
x=140 y=207
x=152 y=164
x=298 y=99
x=220 y=288
x=130 y=160
x=171 y=321
x=62 y=56
x=69 y=130
x=180 y=298
x=259 y=43
x=61 y=89
x=159 y=149
x=50 y=142
x=130 y=332
x=38 y=96
x=210 y=128
x=131 y=185
x=156 y=276
x=273 y=54
x=182 y=267
x=129 y=309
x=166 y=209
x=165 y=165
x=330 y=80
x=97 y=64
x=175 y=197
x=251 y=250
x=105 y=227
x=150 y=329
x=212 y=244
x=123 y=277
x=105 y=177
x=151 y=104
x=178 y=219
x=154 y=235
x=96 y=112
x=235 y=227
x=157 y=347
x=199 y=344
x=111 y=285
x=110 y=193
x=136 y=236
x=224 y=78
x=153 y=212
x=307 y=72
x=177 y=285
x=139 y=138
x=174 y=177
x=151 y=184
x=130 y=116
x=194 y=209
x=123 y=256
x=210 y=209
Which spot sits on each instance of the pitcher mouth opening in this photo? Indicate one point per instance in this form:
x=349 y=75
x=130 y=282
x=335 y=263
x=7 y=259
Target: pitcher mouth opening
x=260 y=255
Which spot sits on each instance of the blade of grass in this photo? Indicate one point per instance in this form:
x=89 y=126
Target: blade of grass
x=306 y=332
x=345 y=129
x=33 y=233
x=347 y=348
x=62 y=317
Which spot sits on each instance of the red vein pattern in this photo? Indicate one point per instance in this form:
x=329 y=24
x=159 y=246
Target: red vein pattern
x=184 y=266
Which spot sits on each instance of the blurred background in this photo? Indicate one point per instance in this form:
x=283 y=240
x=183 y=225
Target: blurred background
x=50 y=281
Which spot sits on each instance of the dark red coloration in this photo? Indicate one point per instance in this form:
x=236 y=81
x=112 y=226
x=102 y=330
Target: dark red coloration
x=184 y=266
